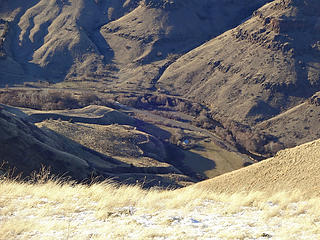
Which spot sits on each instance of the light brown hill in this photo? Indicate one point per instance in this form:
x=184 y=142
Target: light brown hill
x=295 y=169
x=152 y=36
x=92 y=114
x=266 y=66
x=295 y=126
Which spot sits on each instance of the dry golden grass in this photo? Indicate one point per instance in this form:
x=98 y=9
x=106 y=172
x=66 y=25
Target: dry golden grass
x=57 y=210
x=49 y=208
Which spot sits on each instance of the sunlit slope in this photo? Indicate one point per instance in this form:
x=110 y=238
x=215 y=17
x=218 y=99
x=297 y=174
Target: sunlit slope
x=295 y=169
x=264 y=66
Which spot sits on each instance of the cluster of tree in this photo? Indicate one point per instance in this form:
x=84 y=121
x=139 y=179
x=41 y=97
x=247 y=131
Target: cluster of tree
x=247 y=139
x=160 y=102
x=49 y=100
x=239 y=135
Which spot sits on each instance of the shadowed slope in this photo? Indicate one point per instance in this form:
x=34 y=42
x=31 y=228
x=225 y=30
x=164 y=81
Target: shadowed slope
x=54 y=40
x=23 y=150
x=266 y=66
x=151 y=37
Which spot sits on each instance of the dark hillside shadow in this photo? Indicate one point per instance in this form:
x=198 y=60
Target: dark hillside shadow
x=189 y=163
x=50 y=133
x=151 y=129
x=102 y=45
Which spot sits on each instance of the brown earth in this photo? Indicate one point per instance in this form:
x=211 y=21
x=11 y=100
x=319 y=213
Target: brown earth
x=112 y=144
x=270 y=64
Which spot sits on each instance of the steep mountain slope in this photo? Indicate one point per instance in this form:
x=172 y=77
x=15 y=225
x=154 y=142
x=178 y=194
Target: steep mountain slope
x=49 y=39
x=264 y=67
x=92 y=40
x=250 y=84
x=271 y=63
x=295 y=169
x=152 y=36
x=296 y=126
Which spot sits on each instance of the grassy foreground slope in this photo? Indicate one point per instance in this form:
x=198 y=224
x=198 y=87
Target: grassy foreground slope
x=55 y=210
x=282 y=209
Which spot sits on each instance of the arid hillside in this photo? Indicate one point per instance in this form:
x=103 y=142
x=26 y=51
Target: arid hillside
x=261 y=57
x=266 y=66
x=295 y=169
x=108 y=41
x=83 y=146
x=99 y=141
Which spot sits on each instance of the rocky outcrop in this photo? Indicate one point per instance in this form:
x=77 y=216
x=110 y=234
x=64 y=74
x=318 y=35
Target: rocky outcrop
x=269 y=57
x=315 y=99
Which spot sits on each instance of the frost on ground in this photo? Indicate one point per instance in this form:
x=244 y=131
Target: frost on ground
x=208 y=219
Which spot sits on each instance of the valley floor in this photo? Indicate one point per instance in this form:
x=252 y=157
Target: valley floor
x=55 y=210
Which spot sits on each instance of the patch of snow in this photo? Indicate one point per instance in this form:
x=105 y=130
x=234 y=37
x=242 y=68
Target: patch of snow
x=209 y=220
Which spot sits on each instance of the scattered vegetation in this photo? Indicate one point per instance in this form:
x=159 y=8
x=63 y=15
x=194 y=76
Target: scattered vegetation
x=246 y=139
x=160 y=102
x=50 y=99
x=257 y=144
x=315 y=99
x=165 y=4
